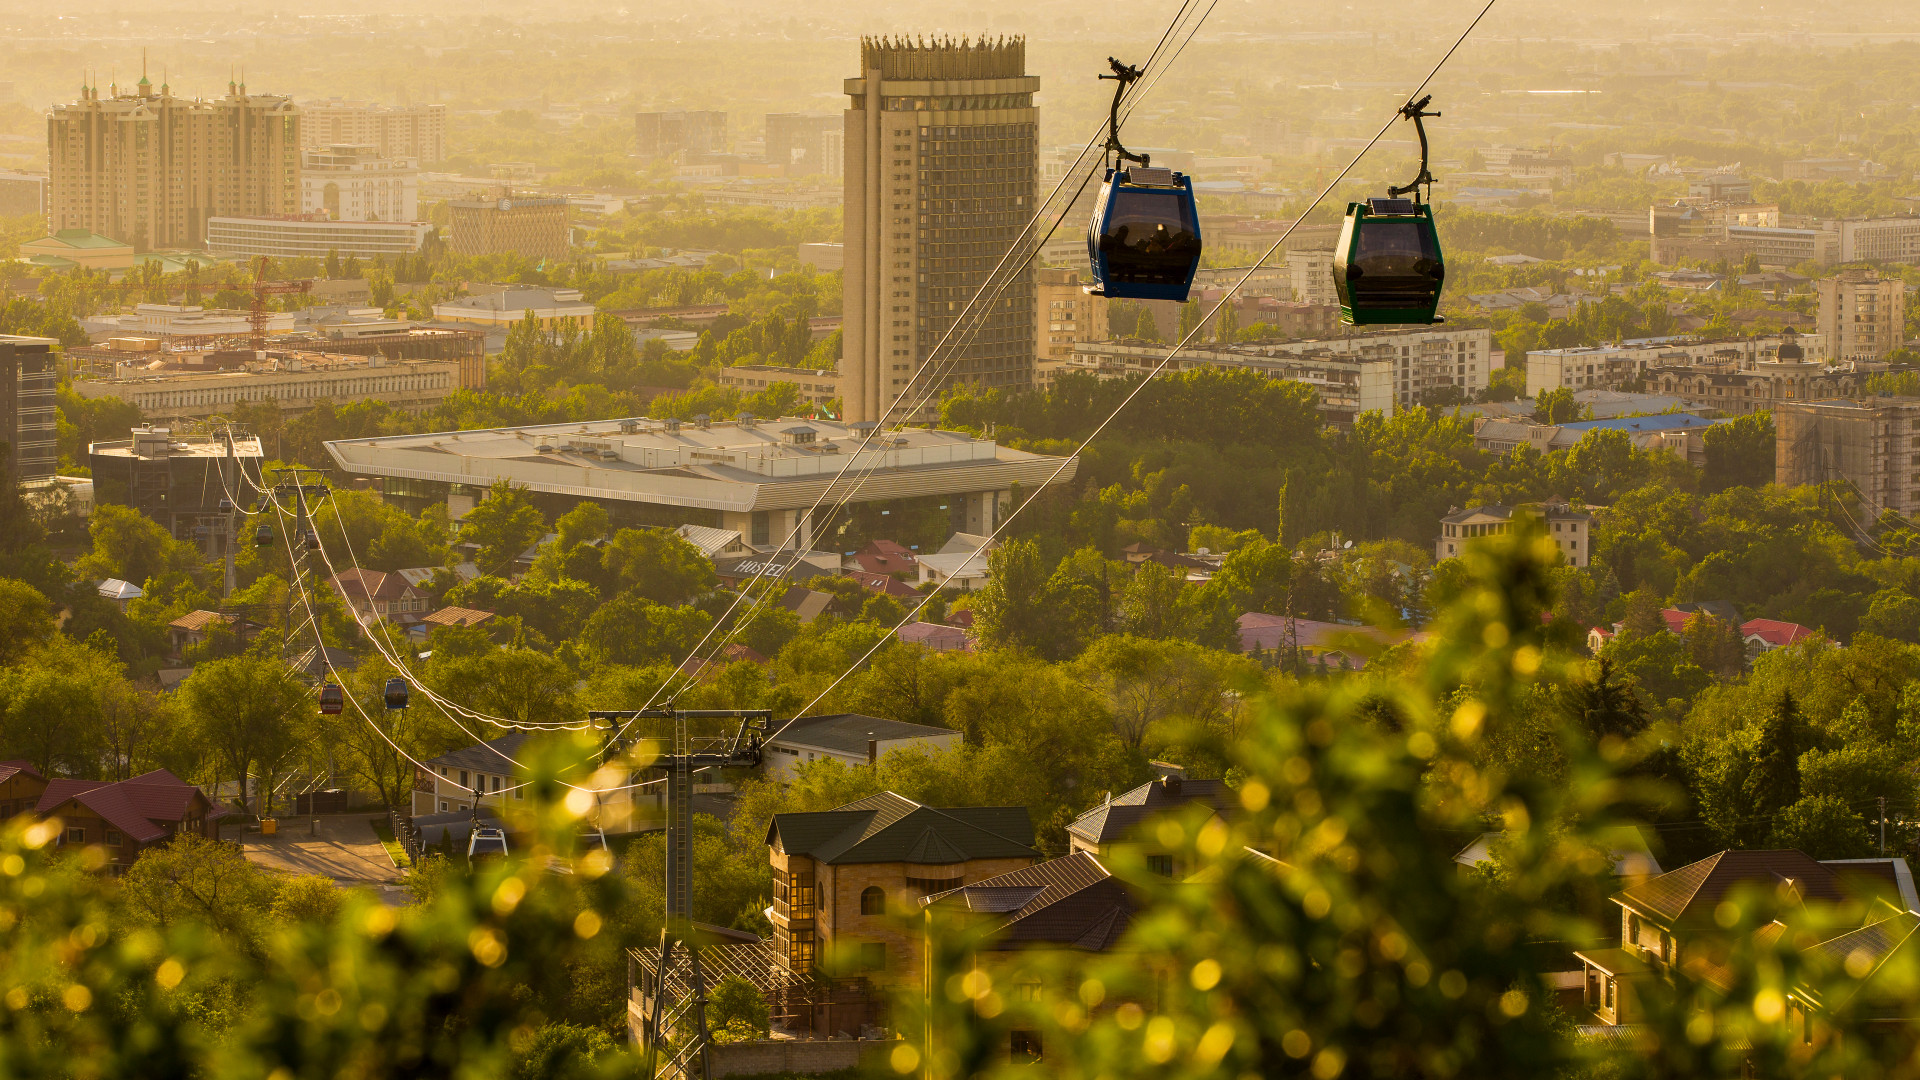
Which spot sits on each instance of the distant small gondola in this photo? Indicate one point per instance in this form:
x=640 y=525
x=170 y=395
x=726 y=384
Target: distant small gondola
x=332 y=700
x=1387 y=265
x=1144 y=240
x=313 y=540
x=397 y=693
x=263 y=536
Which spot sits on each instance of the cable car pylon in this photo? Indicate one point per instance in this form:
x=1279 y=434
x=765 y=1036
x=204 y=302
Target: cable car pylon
x=686 y=1018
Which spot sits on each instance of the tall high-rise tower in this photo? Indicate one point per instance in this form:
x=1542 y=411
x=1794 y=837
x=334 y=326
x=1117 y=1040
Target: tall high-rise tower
x=941 y=152
x=148 y=169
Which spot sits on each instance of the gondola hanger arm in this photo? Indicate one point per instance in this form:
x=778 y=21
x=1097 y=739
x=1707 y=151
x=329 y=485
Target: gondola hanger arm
x=1415 y=111
x=1125 y=75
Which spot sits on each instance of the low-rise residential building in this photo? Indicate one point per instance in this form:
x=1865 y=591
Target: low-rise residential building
x=961 y=562
x=126 y=817
x=849 y=738
x=195 y=627
x=843 y=877
x=1760 y=386
x=475 y=776
x=1570 y=528
x=1872 y=444
x=884 y=557
x=935 y=637
x=1125 y=819
x=375 y=596
x=1278 y=639
x=1766 y=635
x=1668 y=924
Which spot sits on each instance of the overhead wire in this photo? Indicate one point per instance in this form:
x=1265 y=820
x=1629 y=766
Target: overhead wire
x=307 y=600
x=932 y=385
x=1161 y=366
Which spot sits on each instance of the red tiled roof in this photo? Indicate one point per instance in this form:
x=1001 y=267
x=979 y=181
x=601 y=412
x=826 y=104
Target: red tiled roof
x=1774 y=632
x=11 y=769
x=885 y=557
x=136 y=806
x=1676 y=619
x=885 y=584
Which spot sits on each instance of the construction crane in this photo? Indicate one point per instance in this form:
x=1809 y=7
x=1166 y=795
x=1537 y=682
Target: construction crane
x=262 y=288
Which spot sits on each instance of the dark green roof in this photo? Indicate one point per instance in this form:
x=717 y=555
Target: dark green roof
x=892 y=828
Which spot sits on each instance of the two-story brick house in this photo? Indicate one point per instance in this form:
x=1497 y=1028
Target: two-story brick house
x=842 y=878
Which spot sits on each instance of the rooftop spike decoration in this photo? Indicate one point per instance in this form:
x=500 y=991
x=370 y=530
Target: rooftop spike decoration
x=920 y=58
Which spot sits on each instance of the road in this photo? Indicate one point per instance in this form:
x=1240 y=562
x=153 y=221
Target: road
x=344 y=849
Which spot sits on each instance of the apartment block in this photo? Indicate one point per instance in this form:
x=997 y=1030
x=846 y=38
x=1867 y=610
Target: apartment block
x=28 y=375
x=1378 y=372
x=1310 y=273
x=941 y=164
x=358 y=183
x=1862 y=315
x=664 y=134
x=1066 y=314
x=800 y=143
x=415 y=132
x=1630 y=362
x=1871 y=444
x=1881 y=240
x=314 y=236
x=535 y=228
x=150 y=169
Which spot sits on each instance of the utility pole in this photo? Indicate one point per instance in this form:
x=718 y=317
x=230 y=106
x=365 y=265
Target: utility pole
x=686 y=1018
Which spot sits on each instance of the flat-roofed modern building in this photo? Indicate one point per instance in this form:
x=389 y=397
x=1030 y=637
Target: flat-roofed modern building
x=755 y=477
x=175 y=478
x=212 y=383
x=314 y=236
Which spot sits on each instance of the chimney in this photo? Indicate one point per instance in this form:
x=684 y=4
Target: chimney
x=873 y=749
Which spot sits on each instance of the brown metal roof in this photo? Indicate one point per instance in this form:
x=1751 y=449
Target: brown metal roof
x=1689 y=894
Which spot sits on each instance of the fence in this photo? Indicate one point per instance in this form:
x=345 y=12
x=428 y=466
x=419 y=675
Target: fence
x=407 y=833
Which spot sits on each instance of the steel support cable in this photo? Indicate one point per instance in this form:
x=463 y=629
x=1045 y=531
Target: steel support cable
x=313 y=618
x=386 y=650
x=802 y=519
x=931 y=385
x=1161 y=366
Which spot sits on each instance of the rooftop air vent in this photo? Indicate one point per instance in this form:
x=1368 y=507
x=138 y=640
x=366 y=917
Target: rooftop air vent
x=672 y=425
x=702 y=421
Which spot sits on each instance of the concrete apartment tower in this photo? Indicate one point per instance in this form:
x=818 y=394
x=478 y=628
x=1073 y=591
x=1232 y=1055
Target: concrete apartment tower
x=1862 y=315
x=148 y=169
x=942 y=152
